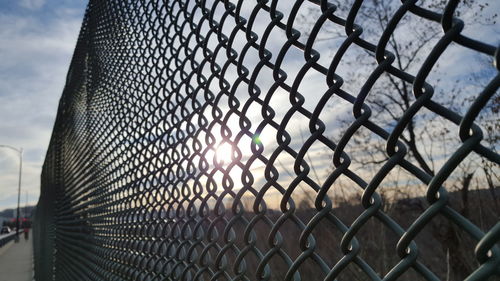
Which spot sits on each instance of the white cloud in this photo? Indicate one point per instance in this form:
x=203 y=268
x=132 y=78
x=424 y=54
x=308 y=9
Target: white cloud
x=31 y=4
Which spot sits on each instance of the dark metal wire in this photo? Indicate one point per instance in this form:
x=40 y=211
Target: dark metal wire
x=130 y=190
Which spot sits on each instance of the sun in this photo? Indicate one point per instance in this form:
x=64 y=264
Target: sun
x=223 y=153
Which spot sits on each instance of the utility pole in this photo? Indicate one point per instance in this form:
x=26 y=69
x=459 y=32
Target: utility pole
x=26 y=205
x=20 y=151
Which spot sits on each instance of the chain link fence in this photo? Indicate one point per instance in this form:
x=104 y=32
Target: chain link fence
x=239 y=140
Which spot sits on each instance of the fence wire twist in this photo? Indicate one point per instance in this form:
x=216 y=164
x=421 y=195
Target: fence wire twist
x=151 y=170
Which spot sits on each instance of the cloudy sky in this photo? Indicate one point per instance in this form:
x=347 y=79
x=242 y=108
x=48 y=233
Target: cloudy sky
x=37 y=39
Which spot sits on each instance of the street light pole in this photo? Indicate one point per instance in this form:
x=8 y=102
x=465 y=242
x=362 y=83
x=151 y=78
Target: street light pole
x=20 y=151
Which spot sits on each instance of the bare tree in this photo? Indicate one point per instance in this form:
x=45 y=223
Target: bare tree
x=429 y=138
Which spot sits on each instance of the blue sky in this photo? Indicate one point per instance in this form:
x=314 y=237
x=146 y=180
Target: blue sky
x=37 y=39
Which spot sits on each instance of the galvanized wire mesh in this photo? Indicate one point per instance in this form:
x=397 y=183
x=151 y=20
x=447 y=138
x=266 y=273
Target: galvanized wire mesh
x=159 y=168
